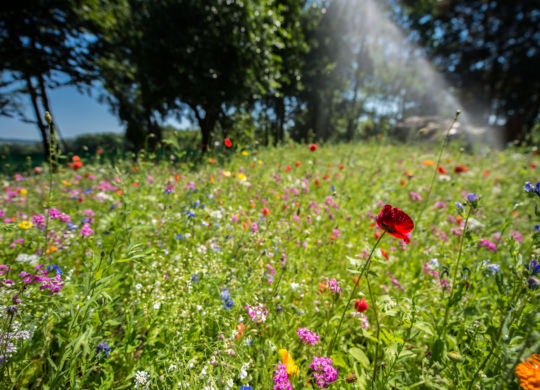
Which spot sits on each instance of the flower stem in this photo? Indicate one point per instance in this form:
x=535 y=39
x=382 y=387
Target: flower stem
x=441 y=151
x=373 y=303
x=456 y=269
x=364 y=269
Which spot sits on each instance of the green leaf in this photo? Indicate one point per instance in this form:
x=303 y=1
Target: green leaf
x=360 y=356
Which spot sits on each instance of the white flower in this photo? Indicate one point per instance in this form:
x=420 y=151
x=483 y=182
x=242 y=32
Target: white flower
x=141 y=379
x=157 y=305
x=172 y=367
x=138 y=286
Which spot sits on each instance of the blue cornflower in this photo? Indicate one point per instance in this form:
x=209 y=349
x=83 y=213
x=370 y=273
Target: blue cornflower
x=195 y=278
x=536 y=228
x=459 y=206
x=113 y=206
x=533 y=266
x=179 y=236
x=472 y=197
x=55 y=268
x=528 y=187
x=246 y=388
x=190 y=214
x=492 y=267
x=226 y=297
x=537 y=188
x=333 y=188
x=225 y=294
x=88 y=191
x=103 y=347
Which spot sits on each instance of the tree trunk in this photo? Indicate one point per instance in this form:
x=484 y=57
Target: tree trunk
x=280 y=113
x=39 y=119
x=207 y=124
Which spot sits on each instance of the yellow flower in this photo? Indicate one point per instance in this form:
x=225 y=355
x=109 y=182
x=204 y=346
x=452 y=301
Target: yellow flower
x=66 y=183
x=24 y=191
x=242 y=177
x=25 y=225
x=244 y=153
x=528 y=373
x=226 y=173
x=287 y=359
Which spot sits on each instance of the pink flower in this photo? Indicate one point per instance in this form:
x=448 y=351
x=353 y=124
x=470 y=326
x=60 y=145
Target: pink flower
x=517 y=236
x=324 y=371
x=307 y=336
x=86 y=230
x=485 y=243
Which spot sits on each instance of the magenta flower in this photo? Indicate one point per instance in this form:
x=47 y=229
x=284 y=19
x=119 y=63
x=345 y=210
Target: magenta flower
x=281 y=381
x=323 y=371
x=485 y=243
x=307 y=336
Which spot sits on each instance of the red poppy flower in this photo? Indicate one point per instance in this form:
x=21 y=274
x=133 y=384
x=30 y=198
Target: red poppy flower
x=265 y=211
x=361 y=305
x=441 y=170
x=396 y=222
x=228 y=142
x=460 y=168
x=384 y=254
x=313 y=147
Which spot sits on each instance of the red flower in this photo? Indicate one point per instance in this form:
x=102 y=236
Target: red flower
x=228 y=142
x=361 y=305
x=384 y=254
x=441 y=170
x=396 y=222
x=265 y=211
x=313 y=147
x=460 y=168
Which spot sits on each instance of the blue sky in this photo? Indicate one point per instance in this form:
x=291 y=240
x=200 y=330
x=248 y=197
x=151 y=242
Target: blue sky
x=74 y=112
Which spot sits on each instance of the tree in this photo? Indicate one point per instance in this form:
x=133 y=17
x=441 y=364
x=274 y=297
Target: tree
x=203 y=57
x=491 y=51
x=43 y=45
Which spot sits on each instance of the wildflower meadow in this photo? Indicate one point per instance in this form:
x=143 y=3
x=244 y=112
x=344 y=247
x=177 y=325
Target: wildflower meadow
x=348 y=266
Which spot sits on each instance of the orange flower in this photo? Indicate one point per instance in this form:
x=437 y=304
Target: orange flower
x=528 y=373
x=486 y=173
x=409 y=173
x=429 y=162
x=240 y=329
x=384 y=254
x=298 y=163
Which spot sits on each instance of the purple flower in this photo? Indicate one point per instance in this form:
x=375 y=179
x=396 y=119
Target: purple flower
x=307 y=336
x=323 y=371
x=281 y=381
x=471 y=198
x=459 y=206
x=333 y=285
x=533 y=267
x=103 y=347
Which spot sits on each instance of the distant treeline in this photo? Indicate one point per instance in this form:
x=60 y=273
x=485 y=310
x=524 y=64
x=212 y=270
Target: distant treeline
x=264 y=71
